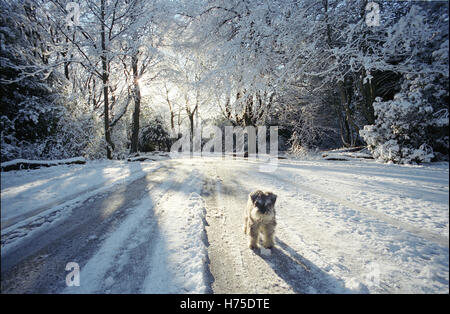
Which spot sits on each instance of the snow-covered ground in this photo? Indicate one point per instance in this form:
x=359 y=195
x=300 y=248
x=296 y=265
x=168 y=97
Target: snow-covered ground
x=379 y=228
x=175 y=226
x=175 y=232
x=28 y=192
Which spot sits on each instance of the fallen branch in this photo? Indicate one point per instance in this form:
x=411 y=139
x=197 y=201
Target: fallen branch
x=19 y=164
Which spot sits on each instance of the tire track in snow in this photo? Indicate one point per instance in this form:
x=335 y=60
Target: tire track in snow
x=56 y=206
x=134 y=258
x=425 y=234
x=101 y=272
x=77 y=238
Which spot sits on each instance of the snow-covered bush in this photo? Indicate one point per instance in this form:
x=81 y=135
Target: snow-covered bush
x=154 y=136
x=79 y=133
x=413 y=127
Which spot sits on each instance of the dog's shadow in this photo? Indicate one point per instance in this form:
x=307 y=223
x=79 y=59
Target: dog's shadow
x=299 y=273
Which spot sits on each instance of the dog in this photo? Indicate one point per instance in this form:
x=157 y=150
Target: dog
x=260 y=218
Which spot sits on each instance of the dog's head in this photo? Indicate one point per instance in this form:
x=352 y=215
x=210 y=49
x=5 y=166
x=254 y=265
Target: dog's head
x=263 y=201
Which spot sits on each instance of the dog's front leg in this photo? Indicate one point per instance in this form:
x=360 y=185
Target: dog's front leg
x=245 y=224
x=268 y=231
x=252 y=235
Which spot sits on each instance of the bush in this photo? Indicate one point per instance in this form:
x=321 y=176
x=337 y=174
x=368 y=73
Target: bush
x=154 y=136
x=413 y=127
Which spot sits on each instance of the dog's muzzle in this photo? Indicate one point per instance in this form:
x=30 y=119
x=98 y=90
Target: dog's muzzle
x=261 y=210
x=262 y=213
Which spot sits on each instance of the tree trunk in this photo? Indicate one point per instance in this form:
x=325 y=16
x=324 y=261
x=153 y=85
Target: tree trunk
x=105 y=80
x=346 y=99
x=191 y=115
x=367 y=91
x=137 y=105
x=172 y=113
x=191 y=125
x=345 y=131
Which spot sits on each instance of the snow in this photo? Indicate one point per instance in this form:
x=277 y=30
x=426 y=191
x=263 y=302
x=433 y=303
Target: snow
x=266 y=252
x=31 y=191
x=42 y=162
x=373 y=227
x=176 y=264
x=349 y=217
x=182 y=269
x=155 y=156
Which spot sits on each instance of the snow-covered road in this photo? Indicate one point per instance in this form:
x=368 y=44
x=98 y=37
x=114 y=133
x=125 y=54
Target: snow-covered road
x=175 y=226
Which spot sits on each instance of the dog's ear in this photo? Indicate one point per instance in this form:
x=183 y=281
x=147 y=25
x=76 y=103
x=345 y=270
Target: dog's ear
x=273 y=197
x=254 y=195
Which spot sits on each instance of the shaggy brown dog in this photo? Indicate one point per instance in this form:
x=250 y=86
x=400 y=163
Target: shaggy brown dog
x=260 y=218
